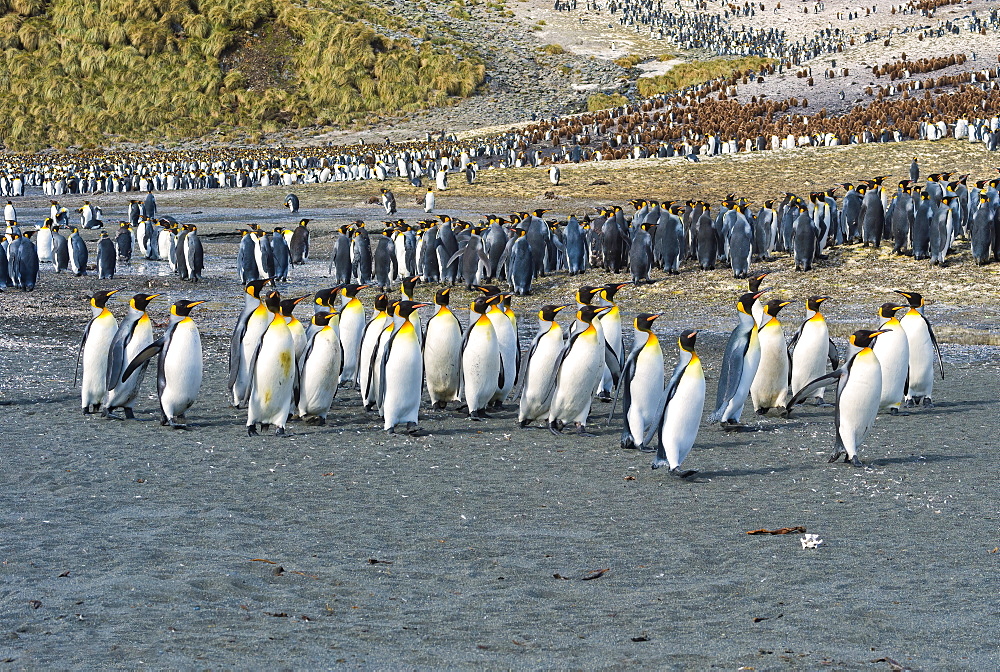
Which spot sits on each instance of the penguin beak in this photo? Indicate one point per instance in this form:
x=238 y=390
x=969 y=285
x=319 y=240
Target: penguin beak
x=420 y=305
x=654 y=316
x=195 y=303
x=760 y=293
x=153 y=296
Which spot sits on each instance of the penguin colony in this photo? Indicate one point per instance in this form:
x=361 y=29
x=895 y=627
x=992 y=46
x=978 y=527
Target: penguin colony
x=281 y=369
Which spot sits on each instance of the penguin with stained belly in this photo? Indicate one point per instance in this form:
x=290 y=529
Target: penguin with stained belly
x=540 y=367
x=770 y=386
x=739 y=366
x=893 y=351
x=369 y=347
x=641 y=384
x=246 y=335
x=923 y=351
x=179 y=366
x=294 y=325
x=810 y=349
x=402 y=372
x=94 y=348
x=482 y=373
x=859 y=390
x=579 y=374
x=272 y=373
x=678 y=416
x=443 y=353
x=319 y=368
x=352 y=329
x=135 y=334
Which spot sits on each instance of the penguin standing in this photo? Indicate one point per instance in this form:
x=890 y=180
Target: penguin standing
x=60 y=251
x=770 y=386
x=539 y=370
x=272 y=373
x=579 y=374
x=250 y=326
x=123 y=243
x=893 y=351
x=924 y=349
x=810 y=348
x=388 y=202
x=352 y=329
x=299 y=244
x=402 y=372
x=609 y=324
x=281 y=255
x=369 y=349
x=77 y=253
x=319 y=368
x=507 y=339
x=482 y=373
x=429 y=201
x=641 y=384
x=107 y=257
x=94 y=349
x=443 y=353
x=43 y=240
x=292 y=203
x=739 y=366
x=859 y=389
x=194 y=253
x=294 y=325
x=678 y=416
x=340 y=259
x=179 y=367
x=135 y=334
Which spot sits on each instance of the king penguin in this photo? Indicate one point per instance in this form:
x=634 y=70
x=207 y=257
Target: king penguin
x=482 y=372
x=94 y=349
x=294 y=325
x=402 y=373
x=770 y=386
x=893 y=351
x=179 y=366
x=352 y=329
x=272 y=373
x=369 y=347
x=539 y=369
x=924 y=350
x=739 y=366
x=443 y=352
x=678 y=417
x=319 y=368
x=579 y=375
x=249 y=328
x=134 y=335
x=641 y=384
x=810 y=348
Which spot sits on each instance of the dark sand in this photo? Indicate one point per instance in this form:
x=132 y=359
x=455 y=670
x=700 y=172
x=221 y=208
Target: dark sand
x=126 y=544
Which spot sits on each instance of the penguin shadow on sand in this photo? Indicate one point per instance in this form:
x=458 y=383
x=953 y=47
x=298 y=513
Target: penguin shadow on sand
x=914 y=459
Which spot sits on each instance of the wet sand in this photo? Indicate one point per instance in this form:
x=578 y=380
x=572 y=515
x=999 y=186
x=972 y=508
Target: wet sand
x=130 y=545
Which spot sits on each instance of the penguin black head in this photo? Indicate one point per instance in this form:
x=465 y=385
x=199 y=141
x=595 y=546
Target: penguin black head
x=304 y=222
x=587 y=293
x=443 y=296
x=288 y=305
x=745 y=304
x=549 y=313
x=888 y=310
x=488 y=290
x=644 y=321
x=915 y=300
x=140 y=301
x=813 y=303
x=254 y=287
x=351 y=290
x=612 y=288
x=588 y=313
x=381 y=302
x=405 y=308
x=324 y=297
x=100 y=299
x=686 y=340
x=482 y=304
x=273 y=301
x=323 y=318
x=864 y=338
x=183 y=308
x=755 y=280
x=774 y=306
x=409 y=284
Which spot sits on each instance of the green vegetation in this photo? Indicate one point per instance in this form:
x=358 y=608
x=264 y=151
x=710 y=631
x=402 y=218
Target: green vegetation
x=663 y=58
x=603 y=101
x=89 y=72
x=629 y=61
x=697 y=72
x=553 y=49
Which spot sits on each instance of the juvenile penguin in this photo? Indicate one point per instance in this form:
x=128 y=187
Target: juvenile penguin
x=94 y=348
x=443 y=352
x=482 y=373
x=579 y=374
x=924 y=349
x=352 y=329
x=770 y=386
x=641 y=384
x=678 y=415
x=272 y=373
x=539 y=369
x=319 y=368
x=810 y=349
x=402 y=373
x=135 y=334
x=739 y=366
x=859 y=389
x=179 y=366
x=893 y=351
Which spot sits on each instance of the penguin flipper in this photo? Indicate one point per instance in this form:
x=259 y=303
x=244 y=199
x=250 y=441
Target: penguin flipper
x=252 y=368
x=79 y=353
x=611 y=361
x=234 y=351
x=625 y=381
x=661 y=409
x=141 y=358
x=382 y=366
x=937 y=348
x=833 y=355
x=814 y=385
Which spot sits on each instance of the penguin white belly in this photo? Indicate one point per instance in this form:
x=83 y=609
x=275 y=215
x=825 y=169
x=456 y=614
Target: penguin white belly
x=182 y=370
x=507 y=338
x=770 y=386
x=859 y=401
x=318 y=375
x=578 y=379
x=271 y=396
x=442 y=358
x=125 y=392
x=480 y=367
x=256 y=326
x=611 y=330
x=893 y=352
x=366 y=372
x=298 y=336
x=374 y=393
x=921 y=366
x=645 y=391
x=43 y=240
x=95 y=359
x=751 y=362
x=537 y=392
x=810 y=356
x=352 y=330
x=404 y=371
x=165 y=241
x=682 y=417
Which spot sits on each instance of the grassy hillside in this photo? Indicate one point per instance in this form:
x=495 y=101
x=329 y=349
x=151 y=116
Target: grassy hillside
x=89 y=72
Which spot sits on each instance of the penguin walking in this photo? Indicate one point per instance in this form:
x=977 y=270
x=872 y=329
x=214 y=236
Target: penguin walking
x=179 y=367
x=810 y=349
x=352 y=329
x=641 y=384
x=135 y=334
x=770 y=386
x=678 y=416
x=924 y=349
x=319 y=368
x=94 y=349
x=893 y=351
x=739 y=366
x=402 y=372
x=482 y=372
x=554 y=175
x=579 y=374
x=272 y=373
x=859 y=390
x=443 y=352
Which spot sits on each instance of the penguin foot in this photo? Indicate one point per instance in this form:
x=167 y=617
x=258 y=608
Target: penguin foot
x=909 y=403
x=282 y=432
x=413 y=430
x=129 y=413
x=687 y=473
x=893 y=411
x=604 y=397
x=646 y=449
x=657 y=463
x=555 y=428
x=836 y=456
x=316 y=421
x=927 y=403
x=105 y=413
x=523 y=424
x=440 y=405
x=763 y=411
x=581 y=430
x=857 y=462
x=252 y=430
x=86 y=410
x=177 y=425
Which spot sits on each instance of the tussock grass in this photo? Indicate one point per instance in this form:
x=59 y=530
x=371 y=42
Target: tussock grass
x=697 y=72
x=629 y=61
x=603 y=101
